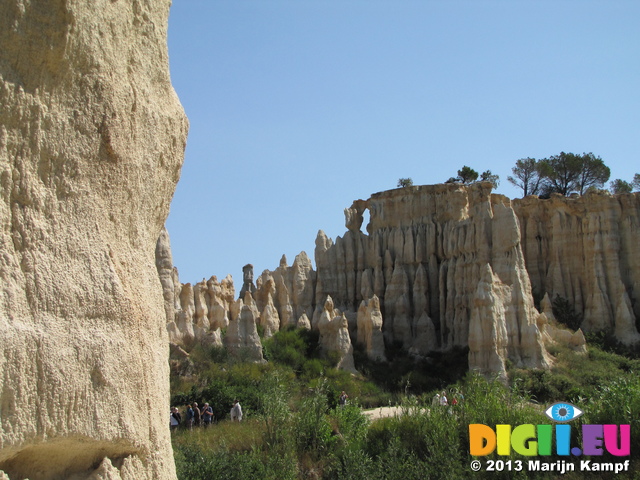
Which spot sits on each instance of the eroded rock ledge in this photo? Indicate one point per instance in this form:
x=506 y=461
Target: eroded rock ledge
x=444 y=266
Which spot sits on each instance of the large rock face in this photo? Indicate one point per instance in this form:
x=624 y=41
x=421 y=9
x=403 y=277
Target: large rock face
x=587 y=250
x=427 y=250
x=91 y=144
x=446 y=266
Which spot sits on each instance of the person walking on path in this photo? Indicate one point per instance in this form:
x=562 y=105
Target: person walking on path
x=236 y=412
x=175 y=419
x=189 y=414
x=207 y=415
x=342 y=400
x=197 y=417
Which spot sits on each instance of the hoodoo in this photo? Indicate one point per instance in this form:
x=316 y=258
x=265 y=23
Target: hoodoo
x=446 y=266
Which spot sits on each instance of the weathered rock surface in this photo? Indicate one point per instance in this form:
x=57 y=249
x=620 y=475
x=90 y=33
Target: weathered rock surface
x=92 y=139
x=424 y=257
x=554 y=333
x=446 y=266
x=335 y=342
x=586 y=250
x=370 y=329
x=242 y=338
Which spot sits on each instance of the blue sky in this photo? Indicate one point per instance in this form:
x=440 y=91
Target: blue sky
x=297 y=108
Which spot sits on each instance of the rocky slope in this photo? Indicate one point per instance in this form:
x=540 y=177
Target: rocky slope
x=92 y=138
x=446 y=266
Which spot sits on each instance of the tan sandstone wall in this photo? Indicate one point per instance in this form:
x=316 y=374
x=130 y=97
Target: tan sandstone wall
x=440 y=267
x=587 y=250
x=446 y=263
x=92 y=137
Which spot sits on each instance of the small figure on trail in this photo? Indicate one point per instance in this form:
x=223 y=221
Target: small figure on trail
x=436 y=400
x=342 y=400
x=443 y=399
x=236 y=412
x=175 y=418
x=207 y=415
x=189 y=415
x=457 y=398
x=196 y=415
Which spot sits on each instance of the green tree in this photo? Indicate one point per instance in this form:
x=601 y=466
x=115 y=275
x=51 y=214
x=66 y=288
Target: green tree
x=487 y=176
x=467 y=175
x=567 y=173
x=636 y=181
x=528 y=175
x=405 y=182
x=561 y=173
x=620 y=186
x=593 y=173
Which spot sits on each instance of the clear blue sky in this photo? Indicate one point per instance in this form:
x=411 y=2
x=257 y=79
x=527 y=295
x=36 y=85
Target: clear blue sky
x=299 y=107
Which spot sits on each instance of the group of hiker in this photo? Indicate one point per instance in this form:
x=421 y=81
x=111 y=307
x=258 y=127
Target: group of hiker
x=440 y=399
x=194 y=416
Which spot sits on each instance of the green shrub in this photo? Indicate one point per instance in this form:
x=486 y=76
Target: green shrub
x=195 y=464
x=312 y=369
x=565 y=313
x=292 y=347
x=312 y=429
x=617 y=402
x=351 y=424
x=276 y=414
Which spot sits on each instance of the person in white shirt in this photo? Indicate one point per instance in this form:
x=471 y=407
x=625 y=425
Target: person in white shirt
x=236 y=412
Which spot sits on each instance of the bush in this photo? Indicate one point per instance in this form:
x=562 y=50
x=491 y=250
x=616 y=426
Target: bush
x=313 y=432
x=565 y=313
x=351 y=424
x=276 y=414
x=195 y=464
x=292 y=346
x=617 y=402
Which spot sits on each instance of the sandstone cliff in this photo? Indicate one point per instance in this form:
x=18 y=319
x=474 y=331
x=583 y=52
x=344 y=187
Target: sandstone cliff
x=91 y=144
x=430 y=256
x=441 y=266
x=586 y=250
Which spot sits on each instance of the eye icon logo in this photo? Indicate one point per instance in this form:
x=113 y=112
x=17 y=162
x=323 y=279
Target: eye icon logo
x=563 y=412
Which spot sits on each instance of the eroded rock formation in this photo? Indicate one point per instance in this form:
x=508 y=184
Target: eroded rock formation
x=92 y=138
x=446 y=266
x=242 y=338
x=369 y=333
x=587 y=250
x=427 y=251
x=335 y=341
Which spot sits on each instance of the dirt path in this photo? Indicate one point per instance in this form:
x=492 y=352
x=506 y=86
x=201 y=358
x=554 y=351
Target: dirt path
x=382 y=412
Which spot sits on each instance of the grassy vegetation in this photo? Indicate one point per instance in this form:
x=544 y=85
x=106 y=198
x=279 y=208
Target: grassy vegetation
x=293 y=428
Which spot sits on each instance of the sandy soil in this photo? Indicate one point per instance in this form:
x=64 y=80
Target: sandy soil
x=382 y=412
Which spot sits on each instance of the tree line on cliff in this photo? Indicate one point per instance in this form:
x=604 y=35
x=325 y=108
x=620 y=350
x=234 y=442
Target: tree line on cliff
x=565 y=173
